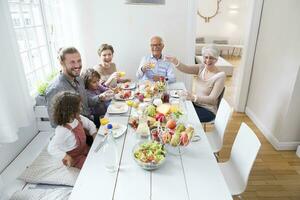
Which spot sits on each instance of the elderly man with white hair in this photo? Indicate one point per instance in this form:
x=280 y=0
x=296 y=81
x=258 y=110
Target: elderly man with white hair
x=154 y=67
x=209 y=83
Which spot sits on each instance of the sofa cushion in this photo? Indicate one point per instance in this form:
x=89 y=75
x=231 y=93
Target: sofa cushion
x=46 y=169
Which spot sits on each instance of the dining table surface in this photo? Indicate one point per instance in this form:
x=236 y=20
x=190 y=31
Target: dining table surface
x=192 y=175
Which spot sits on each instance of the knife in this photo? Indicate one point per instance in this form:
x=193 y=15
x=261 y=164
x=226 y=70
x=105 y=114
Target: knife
x=101 y=144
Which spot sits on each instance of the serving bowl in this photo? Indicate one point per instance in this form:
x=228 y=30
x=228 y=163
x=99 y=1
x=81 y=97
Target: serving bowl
x=149 y=155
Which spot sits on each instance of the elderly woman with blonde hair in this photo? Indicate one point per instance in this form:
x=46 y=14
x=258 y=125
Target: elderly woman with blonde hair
x=209 y=83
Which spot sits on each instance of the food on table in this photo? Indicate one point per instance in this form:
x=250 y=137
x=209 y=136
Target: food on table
x=175 y=141
x=151 y=110
x=163 y=108
x=152 y=65
x=130 y=103
x=181 y=136
x=150 y=90
x=162 y=79
x=150 y=152
x=134 y=122
x=190 y=132
x=180 y=127
x=121 y=74
x=124 y=94
x=171 y=124
x=184 y=140
x=140 y=97
x=160 y=117
x=116 y=89
x=155 y=135
x=165 y=97
x=177 y=114
x=151 y=121
x=160 y=86
x=174 y=108
x=157 y=102
x=166 y=137
x=104 y=121
x=143 y=129
x=126 y=85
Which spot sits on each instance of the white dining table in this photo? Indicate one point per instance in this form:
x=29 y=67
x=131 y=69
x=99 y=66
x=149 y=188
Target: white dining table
x=193 y=175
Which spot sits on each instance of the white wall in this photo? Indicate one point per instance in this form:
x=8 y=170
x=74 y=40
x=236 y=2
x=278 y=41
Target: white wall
x=273 y=101
x=128 y=28
x=228 y=24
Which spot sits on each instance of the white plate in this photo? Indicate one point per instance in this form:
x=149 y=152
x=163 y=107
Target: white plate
x=118 y=130
x=117 y=97
x=130 y=86
x=117 y=108
x=175 y=93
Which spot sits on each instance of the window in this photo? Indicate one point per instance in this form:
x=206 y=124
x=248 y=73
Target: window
x=37 y=46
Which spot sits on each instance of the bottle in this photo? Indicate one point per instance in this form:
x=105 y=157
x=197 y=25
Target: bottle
x=110 y=152
x=166 y=96
x=143 y=130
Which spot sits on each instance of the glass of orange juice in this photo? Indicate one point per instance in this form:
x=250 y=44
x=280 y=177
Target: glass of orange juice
x=121 y=74
x=152 y=65
x=104 y=121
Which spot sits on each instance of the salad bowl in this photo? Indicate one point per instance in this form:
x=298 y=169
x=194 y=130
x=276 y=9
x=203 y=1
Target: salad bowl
x=149 y=154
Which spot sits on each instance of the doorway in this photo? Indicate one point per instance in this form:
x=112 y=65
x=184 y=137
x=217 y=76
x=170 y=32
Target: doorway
x=234 y=31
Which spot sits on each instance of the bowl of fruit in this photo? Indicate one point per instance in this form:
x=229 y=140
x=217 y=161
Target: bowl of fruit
x=149 y=154
x=176 y=140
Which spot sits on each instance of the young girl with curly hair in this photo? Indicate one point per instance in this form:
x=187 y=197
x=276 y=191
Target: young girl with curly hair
x=69 y=142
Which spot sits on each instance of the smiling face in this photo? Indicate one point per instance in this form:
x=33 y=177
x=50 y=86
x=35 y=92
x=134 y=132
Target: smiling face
x=156 y=46
x=72 y=65
x=93 y=84
x=209 y=61
x=106 y=56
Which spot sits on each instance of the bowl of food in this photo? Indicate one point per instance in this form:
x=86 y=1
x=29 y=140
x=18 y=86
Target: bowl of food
x=177 y=140
x=149 y=155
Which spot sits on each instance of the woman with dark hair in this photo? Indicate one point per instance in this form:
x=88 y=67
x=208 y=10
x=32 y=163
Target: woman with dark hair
x=107 y=69
x=69 y=142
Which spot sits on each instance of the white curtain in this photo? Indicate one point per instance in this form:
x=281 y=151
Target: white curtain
x=16 y=106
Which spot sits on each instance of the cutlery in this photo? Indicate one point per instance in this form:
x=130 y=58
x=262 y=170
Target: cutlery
x=101 y=144
x=196 y=138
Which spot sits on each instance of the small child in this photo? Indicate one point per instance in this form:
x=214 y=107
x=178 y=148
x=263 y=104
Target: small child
x=69 y=142
x=96 y=90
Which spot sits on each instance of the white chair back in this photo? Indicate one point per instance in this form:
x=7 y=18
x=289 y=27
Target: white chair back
x=222 y=118
x=244 y=151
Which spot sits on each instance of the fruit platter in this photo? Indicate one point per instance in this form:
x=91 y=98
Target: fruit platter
x=149 y=155
x=159 y=114
x=174 y=140
x=147 y=90
x=128 y=85
x=124 y=95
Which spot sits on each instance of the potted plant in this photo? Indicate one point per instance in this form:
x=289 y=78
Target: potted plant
x=41 y=88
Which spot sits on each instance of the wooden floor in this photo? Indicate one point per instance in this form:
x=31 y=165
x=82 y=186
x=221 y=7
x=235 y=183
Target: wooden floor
x=276 y=174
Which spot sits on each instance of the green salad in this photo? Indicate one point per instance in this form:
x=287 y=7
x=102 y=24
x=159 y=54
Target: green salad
x=150 y=152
